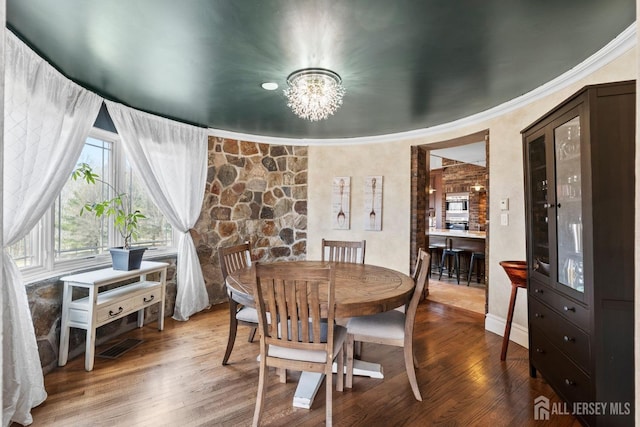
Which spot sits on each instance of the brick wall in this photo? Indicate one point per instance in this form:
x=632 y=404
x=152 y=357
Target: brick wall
x=460 y=177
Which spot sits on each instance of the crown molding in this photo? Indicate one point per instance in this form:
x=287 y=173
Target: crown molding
x=614 y=49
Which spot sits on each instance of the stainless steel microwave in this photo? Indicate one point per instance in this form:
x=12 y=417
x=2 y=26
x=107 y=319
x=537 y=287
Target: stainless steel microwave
x=457 y=207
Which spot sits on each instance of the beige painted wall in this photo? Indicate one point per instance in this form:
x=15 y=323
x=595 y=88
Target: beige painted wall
x=390 y=247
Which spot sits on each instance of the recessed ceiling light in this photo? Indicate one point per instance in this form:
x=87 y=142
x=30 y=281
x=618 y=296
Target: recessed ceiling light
x=269 y=85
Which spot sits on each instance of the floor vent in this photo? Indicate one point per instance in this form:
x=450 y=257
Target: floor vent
x=120 y=348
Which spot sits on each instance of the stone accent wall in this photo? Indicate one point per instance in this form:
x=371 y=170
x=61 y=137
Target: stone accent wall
x=255 y=192
x=45 y=303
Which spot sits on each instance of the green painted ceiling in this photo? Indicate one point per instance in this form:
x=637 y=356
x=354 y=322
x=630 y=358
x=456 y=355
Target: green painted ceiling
x=406 y=65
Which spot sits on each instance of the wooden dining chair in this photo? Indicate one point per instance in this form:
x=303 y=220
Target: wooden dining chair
x=343 y=251
x=391 y=327
x=414 y=276
x=416 y=271
x=233 y=258
x=304 y=337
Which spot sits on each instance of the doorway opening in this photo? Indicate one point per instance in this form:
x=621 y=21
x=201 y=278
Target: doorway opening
x=429 y=217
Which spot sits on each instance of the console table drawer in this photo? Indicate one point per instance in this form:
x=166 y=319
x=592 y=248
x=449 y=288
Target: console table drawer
x=114 y=304
x=114 y=311
x=565 y=336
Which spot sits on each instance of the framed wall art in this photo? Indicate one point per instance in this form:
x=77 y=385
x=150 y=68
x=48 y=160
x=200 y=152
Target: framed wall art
x=340 y=202
x=373 y=203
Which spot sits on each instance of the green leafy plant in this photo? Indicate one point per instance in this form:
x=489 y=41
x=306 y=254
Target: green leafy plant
x=119 y=207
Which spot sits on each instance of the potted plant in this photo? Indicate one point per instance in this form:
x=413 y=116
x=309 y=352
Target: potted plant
x=125 y=219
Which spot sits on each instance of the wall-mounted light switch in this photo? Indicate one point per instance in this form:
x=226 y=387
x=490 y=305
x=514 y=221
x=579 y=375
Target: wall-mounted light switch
x=504 y=218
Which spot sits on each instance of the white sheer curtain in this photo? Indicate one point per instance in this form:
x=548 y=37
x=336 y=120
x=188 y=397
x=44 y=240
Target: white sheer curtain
x=171 y=159
x=46 y=121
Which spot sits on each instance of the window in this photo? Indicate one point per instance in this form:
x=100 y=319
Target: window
x=64 y=238
x=155 y=230
x=25 y=252
x=78 y=235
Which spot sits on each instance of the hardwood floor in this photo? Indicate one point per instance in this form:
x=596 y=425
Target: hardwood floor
x=175 y=378
x=448 y=292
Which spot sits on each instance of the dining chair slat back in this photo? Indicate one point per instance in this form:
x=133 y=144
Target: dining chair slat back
x=233 y=258
x=422 y=280
x=416 y=271
x=344 y=251
x=304 y=336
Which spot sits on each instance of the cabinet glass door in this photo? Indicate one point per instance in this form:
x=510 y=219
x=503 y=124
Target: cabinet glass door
x=539 y=205
x=568 y=180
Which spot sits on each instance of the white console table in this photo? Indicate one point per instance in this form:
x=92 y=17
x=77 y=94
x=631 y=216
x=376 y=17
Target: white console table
x=100 y=308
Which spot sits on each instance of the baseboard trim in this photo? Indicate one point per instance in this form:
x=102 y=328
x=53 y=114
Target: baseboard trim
x=519 y=334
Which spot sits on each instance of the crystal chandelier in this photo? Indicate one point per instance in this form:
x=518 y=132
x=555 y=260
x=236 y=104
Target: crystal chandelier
x=314 y=93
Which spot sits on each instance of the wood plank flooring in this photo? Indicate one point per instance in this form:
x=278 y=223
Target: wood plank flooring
x=175 y=378
x=448 y=292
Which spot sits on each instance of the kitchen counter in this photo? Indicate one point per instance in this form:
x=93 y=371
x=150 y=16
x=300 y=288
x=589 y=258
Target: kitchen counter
x=457 y=233
x=469 y=242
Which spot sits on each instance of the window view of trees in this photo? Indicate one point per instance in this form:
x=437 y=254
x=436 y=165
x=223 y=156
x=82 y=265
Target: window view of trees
x=83 y=235
x=74 y=236
x=154 y=230
x=24 y=251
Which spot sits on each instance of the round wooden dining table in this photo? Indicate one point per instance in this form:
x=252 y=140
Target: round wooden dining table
x=360 y=289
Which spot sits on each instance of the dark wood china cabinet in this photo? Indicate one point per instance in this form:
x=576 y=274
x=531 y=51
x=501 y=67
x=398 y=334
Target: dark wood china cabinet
x=580 y=196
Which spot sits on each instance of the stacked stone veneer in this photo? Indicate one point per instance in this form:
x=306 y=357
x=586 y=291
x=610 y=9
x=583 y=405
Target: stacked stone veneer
x=255 y=192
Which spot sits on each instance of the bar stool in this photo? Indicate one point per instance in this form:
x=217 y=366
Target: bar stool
x=434 y=252
x=447 y=253
x=517 y=272
x=480 y=267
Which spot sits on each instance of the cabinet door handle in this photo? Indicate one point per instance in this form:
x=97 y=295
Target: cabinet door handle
x=539 y=316
x=567 y=381
x=111 y=313
x=150 y=299
x=548 y=205
x=565 y=308
x=539 y=350
x=538 y=291
x=568 y=339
